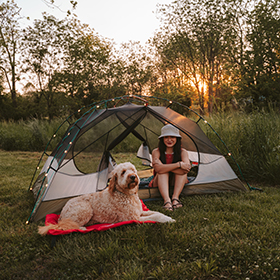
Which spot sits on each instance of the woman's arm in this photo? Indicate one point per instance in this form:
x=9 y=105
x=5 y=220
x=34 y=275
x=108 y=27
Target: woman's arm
x=160 y=167
x=181 y=167
x=185 y=164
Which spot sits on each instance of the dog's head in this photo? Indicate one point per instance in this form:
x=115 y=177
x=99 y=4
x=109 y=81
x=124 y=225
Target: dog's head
x=124 y=179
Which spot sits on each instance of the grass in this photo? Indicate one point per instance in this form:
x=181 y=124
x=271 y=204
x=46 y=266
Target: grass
x=32 y=135
x=253 y=139
x=225 y=236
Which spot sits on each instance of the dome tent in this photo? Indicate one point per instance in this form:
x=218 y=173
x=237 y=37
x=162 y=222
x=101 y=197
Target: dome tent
x=82 y=161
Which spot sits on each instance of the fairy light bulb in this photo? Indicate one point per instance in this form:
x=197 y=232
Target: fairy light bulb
x=205 y=121
x=229 y=154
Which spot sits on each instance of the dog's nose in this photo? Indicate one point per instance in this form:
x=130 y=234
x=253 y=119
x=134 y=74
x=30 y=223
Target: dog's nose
x=132 y=177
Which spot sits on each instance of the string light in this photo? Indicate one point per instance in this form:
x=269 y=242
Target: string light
x=117 y=99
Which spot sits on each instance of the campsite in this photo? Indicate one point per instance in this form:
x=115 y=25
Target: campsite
x=75 y=102
x=216 y=236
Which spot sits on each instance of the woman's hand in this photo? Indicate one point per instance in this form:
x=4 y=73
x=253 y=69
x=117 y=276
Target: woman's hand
x=185 y=166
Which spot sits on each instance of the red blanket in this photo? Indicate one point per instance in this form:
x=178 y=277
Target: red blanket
x=53 y=218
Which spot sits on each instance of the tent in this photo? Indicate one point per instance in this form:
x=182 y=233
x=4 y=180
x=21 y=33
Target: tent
x=83 y=159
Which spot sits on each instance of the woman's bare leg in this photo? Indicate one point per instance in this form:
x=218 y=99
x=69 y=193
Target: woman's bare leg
x=180 y=181
x=163 y=186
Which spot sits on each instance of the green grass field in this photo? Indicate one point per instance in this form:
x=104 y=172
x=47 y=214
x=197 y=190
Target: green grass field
x=225 y=236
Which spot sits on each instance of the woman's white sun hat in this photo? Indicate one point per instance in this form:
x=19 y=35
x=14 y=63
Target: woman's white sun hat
x=169 y=130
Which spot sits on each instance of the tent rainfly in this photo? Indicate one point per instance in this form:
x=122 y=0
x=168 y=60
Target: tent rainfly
x=82 y=160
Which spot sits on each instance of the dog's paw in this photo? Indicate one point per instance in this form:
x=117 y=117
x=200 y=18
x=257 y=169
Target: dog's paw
x=82 y=228
x=166 y=219
x=170 y=220
x=161 y=218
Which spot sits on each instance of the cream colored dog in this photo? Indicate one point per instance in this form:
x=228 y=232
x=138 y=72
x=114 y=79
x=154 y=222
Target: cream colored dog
x=119 y=202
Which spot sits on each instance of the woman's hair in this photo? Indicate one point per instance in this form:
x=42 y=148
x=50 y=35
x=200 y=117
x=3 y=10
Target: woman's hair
x=176 y=150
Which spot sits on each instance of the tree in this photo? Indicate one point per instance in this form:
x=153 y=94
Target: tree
x=69 y=64
x=261 y=82
x=137 y=67
x=52 y=3
x=196 y=38
x=9 y=36
x=43 y=51
x=86 y=59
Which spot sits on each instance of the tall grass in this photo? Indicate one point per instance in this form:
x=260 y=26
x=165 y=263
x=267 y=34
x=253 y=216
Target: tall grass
x=253 y=139
x=225 y=236
x=32 y=135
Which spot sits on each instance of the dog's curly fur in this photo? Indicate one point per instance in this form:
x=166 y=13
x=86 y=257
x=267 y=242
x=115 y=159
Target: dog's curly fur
x=119 y=202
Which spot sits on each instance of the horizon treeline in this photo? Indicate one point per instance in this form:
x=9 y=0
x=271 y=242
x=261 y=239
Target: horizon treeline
x=211 y=55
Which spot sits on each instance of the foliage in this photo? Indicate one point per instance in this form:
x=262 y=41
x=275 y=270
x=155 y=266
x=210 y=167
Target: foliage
x=32 y=135
x=254 y=141
x=225 y=236
x=71 y=65
x=182 y=94
x=137 y=66
x=9 y=35
x=67 y=59
x=251 y=138
x=209 y=54
x=222 y=48
x=196 y=38
x=261 y=81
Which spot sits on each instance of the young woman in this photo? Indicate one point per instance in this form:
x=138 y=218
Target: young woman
x=171 y=164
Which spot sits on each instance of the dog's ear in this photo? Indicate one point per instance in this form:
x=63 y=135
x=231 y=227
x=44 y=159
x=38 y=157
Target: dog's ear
x=112 y=183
